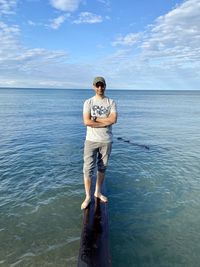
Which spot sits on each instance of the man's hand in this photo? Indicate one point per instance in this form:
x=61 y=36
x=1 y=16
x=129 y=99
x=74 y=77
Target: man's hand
x=88 y=121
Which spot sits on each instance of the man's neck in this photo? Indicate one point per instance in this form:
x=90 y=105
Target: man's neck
x=100 y=97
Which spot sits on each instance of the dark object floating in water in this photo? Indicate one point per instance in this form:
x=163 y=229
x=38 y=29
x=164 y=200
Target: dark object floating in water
x=94 y=246
x=133 y=143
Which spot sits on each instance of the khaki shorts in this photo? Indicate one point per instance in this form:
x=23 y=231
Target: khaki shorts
x=95 y=153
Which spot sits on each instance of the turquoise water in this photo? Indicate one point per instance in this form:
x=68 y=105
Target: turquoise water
x=153 y=193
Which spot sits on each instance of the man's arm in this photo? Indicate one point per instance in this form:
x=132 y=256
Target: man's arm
x=111 y=119
x=95 y=124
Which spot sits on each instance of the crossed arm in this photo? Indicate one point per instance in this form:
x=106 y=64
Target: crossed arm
x=99 y=122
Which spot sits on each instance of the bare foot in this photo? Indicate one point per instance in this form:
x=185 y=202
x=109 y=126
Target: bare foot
x=101 y=197
x=85 y=203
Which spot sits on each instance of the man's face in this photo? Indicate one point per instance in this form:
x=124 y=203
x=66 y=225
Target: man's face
x=99 y=88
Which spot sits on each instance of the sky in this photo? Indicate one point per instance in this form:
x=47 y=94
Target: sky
x=134 y=44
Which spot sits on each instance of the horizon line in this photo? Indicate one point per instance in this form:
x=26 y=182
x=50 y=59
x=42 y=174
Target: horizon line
x=110 y=89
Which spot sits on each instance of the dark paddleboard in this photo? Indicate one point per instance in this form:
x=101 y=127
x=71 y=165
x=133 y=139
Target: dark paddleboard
x=94 y=245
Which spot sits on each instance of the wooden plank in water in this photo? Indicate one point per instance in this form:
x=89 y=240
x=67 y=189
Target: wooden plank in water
x=94 y=245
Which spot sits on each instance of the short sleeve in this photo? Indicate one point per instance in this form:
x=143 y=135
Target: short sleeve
x=86 y=107
x=113 y=107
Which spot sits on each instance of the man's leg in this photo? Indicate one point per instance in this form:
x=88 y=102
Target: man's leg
x=103 y=157
x=90 y=152
x=87 y=183
x=99 y=183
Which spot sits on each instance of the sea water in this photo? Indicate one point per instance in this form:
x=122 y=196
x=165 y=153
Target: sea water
x=152 y=182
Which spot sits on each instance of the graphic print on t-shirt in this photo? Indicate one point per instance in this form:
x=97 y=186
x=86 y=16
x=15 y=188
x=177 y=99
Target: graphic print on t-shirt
x=99 y=111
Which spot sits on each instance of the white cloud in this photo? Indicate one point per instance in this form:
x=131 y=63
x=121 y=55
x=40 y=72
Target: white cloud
x=88 y=18
x=31 y=23
x=66 y=5
x=57 y=22
x=7 y=6
x=53 y=23
x=8 y=37
x=35 y=24
x=177 y=34
x=128 y=40
x=166 y=55
x=105 y=2
x=15 y=56
x=174 y=37
x=38 y=54
x=7 y=82
x=24 y=67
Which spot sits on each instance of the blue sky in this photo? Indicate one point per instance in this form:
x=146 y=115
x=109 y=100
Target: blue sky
x=138 y=44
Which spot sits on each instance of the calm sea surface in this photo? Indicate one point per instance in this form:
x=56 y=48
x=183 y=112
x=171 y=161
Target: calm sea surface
x=154 y=194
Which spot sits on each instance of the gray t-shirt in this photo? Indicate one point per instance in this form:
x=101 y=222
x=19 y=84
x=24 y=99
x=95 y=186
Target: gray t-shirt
x=100 y=108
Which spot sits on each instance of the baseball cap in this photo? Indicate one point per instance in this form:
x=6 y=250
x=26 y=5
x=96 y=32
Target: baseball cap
x=99 y=79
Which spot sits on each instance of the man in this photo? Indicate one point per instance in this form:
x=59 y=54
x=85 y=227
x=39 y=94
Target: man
x=99 y=113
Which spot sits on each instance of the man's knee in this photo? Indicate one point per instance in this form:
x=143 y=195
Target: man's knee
x=88 y=172
x=101 y=170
